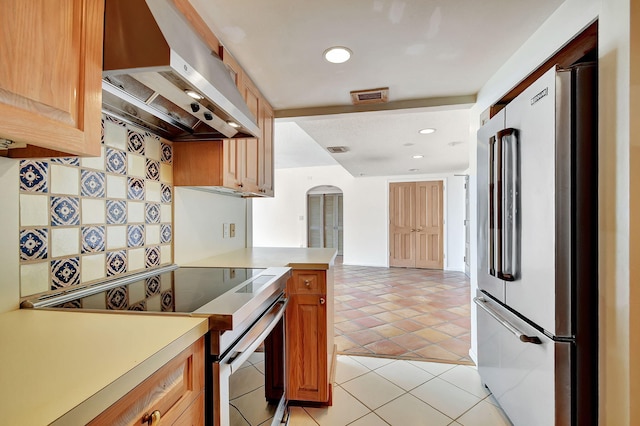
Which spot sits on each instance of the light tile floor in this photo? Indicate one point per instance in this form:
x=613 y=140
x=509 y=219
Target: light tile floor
x=371 y=391
x=403 y=313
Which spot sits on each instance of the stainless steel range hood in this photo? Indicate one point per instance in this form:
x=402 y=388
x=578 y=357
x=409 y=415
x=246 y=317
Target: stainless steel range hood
x=152 y=59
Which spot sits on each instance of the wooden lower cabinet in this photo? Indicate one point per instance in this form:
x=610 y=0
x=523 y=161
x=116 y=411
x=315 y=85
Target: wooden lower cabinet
x=309 y=336
x=175 y=393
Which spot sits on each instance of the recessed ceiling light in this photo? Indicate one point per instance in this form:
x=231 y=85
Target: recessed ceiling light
x=194 y=94
x=426 y=131
x=417 y=156
x=233 y=124
x=337 y=54
x=414 y=170
x=407 y=144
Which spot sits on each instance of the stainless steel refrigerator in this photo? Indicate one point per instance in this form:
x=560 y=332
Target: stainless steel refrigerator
x=537 y=302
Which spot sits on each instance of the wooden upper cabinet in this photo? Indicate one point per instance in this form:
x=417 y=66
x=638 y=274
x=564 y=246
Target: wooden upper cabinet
x=50 y=78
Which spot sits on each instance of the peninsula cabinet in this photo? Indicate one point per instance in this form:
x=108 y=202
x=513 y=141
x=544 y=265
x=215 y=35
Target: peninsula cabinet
x=50 y=78
x=309 y=341
x=173 y=395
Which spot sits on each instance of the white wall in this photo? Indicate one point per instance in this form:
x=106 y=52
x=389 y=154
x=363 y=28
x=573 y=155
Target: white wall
x=9 y=225
x=198 y=220
x=281 y=221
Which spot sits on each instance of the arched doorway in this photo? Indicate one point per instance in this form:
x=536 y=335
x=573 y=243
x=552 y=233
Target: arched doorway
x=324 y=212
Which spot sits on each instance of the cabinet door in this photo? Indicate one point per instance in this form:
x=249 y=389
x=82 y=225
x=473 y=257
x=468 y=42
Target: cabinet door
x=173 y=391
x=50 y=81
x=250 y=165
x=232 y=152
x=306 y=348
x=265 y=171
x=307 y=282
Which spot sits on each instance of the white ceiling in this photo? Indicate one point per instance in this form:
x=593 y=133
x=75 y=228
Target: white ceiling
x=420 y=49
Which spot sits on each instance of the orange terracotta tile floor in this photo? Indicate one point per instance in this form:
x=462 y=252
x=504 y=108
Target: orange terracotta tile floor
x=402 y=313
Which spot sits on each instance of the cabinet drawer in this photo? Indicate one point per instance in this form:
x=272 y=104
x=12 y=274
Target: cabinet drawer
x=171 y=391
x=308 y=282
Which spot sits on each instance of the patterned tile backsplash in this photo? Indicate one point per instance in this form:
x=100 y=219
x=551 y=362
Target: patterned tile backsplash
x=83 y=220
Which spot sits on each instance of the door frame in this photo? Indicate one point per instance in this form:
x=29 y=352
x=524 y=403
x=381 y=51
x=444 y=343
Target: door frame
x=444 y=181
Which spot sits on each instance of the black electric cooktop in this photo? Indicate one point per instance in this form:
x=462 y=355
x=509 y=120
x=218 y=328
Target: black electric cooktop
x=181 y=290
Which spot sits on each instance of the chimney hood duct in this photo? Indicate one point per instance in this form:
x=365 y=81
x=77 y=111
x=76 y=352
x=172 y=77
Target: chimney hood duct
x=152 y=58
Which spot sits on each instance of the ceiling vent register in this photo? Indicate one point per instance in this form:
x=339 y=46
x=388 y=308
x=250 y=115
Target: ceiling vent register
x=370 y=96
x=337 y=149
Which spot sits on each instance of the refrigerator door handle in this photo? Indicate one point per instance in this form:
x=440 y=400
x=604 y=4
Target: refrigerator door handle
x=493 y=216
x=482 y=303
x=508 y=208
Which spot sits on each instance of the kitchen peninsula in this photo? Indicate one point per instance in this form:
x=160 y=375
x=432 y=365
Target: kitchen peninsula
x=310 y=349
x=68 y=367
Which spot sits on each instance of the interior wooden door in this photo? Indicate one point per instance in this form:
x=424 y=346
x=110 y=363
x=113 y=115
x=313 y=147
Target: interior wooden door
x=402 y=238
x=467 y=228
x=416 y=225
x=429 y=225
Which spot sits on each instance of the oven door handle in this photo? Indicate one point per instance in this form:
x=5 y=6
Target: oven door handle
x=256 y=335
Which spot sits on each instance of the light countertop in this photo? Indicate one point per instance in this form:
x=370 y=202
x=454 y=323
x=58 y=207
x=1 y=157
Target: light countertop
x=264 y=257
x=67 y=367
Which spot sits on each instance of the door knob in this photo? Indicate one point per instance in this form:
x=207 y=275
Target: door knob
x=307 y=283
x=322 y=301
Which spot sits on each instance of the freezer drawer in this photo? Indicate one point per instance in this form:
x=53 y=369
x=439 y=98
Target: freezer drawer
x=529 y=375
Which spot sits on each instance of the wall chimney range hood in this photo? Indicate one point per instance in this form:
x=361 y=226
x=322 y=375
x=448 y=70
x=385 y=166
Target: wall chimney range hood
x=158 y=74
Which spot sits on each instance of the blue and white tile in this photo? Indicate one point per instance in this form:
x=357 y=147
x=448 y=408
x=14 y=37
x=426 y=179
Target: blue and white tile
x=64 y=180
x=153 y=169
x=69 y=161
x=139 y=306
x=116 y=262
x=135 y=142
x=96 y=301
x=166 y=300
x=65 y=241
x=92 y=211
x=165 y=213
x=116 y=212
x=152 y=286
x=64 y=211
x=152 y=213
x=34 y=176
x=137 y=291
x=93 y=239
x=152 y=257
x=116 y=161
x=92 y=184
x=135 y=235
x=34 y=278
x=116 y=187
x=93 y=267
x=34 y=244
x=167 y=153
x=102 y=131
x=135 y=190
x=166 y=234
x=166 y=193
x=34 y=210
x=65 y=272
x=117 y=298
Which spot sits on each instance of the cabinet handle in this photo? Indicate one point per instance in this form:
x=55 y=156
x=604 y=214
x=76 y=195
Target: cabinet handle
x=241 y=185
x=152 y=419
x=307 y=283
x=322 y=301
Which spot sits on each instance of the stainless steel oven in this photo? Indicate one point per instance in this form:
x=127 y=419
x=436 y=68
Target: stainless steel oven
x=245 y=308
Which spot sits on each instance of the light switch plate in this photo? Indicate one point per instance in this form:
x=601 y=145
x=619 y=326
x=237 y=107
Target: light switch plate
x=225 y=230
x=232 y=230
